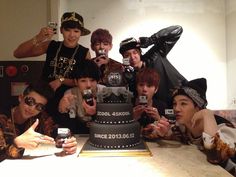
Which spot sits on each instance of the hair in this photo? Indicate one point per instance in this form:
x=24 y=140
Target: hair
x=86 y=68
x=149 y=76
x=41 y=87
x=101 y=35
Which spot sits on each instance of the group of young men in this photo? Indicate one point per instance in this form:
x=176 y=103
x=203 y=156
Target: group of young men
x=69 y=71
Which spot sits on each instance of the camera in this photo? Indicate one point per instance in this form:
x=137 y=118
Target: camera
x=142 y=100
x=169 y=114
x=53 y=25
x=145 y=119
x=62 y=135
x=101 y=52
x=88 y=96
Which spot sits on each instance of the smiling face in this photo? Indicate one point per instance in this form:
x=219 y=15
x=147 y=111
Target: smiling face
x=31 y=107
x=184 y=109
x=71 y=36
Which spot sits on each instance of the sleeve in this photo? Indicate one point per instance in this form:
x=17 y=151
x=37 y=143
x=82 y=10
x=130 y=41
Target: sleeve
x=221 y=146
x=7 y=147
x=48 y=125
x=164 y=39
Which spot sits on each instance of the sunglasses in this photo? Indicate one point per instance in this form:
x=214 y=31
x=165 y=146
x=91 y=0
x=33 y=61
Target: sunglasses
x=30 y=101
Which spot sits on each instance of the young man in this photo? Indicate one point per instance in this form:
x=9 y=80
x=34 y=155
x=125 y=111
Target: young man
x=101 y=44
x=213 y=135
x=61 y=56
x=28 y=125
x=79 y=103
x=155 y=57
x=147 y=109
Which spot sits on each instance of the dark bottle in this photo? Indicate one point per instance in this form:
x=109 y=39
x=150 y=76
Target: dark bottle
x=145 y=119
x=62 y=135
x=128 y=70
x=88 y=96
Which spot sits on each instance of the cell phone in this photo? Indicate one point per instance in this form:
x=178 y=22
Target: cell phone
x=169 y=114
x=53 y=25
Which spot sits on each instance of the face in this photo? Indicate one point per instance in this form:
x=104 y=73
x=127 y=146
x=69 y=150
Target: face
x=147 y=90
x=86 y=83
x=32 y=104
x=135 y=57
x=71 y=36
x=184 y=109
x=101 y=46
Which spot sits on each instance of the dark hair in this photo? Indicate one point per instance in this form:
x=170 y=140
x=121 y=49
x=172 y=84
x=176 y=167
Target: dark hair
x=86 y=68
x=41 y=87
x=149 y=76
x=101 y=35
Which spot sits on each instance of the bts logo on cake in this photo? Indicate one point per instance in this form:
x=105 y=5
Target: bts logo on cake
x=114 y=79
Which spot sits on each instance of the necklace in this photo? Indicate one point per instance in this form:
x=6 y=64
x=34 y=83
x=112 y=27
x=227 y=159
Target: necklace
x=69 y=67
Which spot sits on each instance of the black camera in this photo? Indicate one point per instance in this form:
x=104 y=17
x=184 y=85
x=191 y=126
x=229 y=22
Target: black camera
x=142 y=100
x=62 y=135
x=88 y=96
x=145 y=119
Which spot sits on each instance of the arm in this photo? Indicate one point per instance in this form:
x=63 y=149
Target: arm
x=218 y=140
x=164 y=39
x=66 y=102
x=36 y=46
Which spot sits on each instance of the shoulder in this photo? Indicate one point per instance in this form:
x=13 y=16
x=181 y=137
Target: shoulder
x=3 y=120
x=81 y=47
x=53 y=45
x=114 y=64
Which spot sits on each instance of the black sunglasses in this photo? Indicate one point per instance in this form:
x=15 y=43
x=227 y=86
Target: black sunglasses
x=30 y=101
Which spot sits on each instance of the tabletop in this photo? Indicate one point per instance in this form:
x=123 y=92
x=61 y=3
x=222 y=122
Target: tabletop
x=168 y=159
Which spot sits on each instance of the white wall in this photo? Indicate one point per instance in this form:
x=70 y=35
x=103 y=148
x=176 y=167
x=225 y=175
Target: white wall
x=200 y=52
x=231 y=51
x=20 y=20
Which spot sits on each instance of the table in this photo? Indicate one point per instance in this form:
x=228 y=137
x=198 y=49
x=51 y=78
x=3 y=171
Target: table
x=168 y=159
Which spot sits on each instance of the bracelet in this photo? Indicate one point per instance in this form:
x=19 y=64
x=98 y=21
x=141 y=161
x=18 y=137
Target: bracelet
x=35 y=42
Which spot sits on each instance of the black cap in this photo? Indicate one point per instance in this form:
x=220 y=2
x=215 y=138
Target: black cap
x=129 y=43
x=195 y=90
x=73 y=19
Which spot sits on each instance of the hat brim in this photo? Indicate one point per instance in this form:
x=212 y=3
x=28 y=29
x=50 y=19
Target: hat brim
x=85 y=32
x=131 y=45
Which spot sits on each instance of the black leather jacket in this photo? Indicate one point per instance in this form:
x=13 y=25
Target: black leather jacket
x=163 y=41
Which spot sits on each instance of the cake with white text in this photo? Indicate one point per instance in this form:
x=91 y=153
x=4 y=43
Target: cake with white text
x=114 y=127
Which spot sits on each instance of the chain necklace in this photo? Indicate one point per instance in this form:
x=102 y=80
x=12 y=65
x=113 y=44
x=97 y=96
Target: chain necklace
x=71 y=63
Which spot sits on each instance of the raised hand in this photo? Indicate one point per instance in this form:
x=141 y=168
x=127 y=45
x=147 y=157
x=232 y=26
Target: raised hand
x=31 y=139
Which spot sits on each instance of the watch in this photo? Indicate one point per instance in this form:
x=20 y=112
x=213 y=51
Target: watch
x=61 y=79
